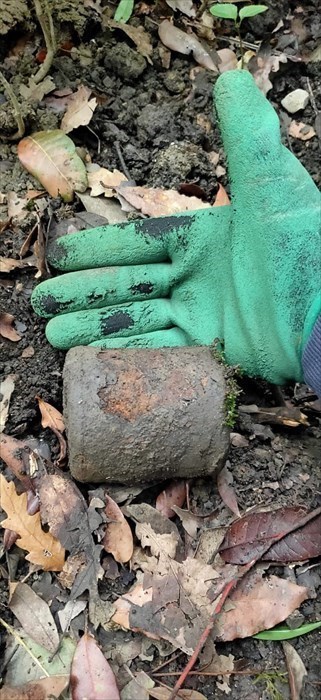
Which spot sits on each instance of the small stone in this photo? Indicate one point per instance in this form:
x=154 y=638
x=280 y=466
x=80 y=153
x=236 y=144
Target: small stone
x=295 y=100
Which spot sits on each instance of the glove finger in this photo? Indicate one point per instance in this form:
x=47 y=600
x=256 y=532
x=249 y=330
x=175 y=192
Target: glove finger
x=170 y=338
x=84 y=327
x=264 y=175
x=130 y=243
x=94 y=289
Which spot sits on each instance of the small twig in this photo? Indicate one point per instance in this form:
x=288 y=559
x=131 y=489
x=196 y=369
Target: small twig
x=312 y=98
x=165 y=663
x=199 y=646
x=236 y=40
x=47 y=26
x=20 y=641
x=121 y=160
x=250 y=672
x=16 y=109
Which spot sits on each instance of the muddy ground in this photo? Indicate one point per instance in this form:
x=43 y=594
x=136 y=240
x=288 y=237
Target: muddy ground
x=158 y=117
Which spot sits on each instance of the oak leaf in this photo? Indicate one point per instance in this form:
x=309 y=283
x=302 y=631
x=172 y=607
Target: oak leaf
x=44 y=550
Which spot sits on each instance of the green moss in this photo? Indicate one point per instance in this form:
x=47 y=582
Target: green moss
x=232 y=388
x=271 y=681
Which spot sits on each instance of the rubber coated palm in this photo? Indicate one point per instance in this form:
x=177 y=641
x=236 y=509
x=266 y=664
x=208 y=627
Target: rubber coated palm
x=248 y=274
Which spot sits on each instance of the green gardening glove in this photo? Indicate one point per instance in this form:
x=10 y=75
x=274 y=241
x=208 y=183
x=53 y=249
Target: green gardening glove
x=247 y=274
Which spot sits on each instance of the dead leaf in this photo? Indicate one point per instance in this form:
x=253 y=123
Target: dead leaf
x=91 y=675
x=154 y=530
x=9 y=264
x=222 y=199
x=296 y=670
x=72 y=609
x=12 y=453
x=262 y=64
x=6 y=389
x=276 y=415
x=6 y=329
x=35 y=92
x=137 y=34
x=191 y=523
x=156 y=202
x=138 y=687
x=173 y=494
x=257 y=604
x=185 y=6
x=34 y=615
x=44 y=550
x=179 y=41
x=103 y=181
x=16 y=206
x=52 y=418
x=118 y=539
x=165 y=693
x=42 y=689
x=248 y=536
x=228 y=60
x=110 y=209
x=301 y=131
x=50 y=156
x=80 y=109
x=226 y=490
x=65 y=510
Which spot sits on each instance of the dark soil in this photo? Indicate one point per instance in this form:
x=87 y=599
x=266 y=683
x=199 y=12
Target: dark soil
x=153 y=114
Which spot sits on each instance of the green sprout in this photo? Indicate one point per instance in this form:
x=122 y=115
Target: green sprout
x=124 y=11
x=229 y=11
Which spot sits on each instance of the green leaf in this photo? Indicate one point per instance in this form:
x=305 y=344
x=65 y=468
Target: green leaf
x=124 y=11
x=252 y=11
x=281 y=632
x=226 y=11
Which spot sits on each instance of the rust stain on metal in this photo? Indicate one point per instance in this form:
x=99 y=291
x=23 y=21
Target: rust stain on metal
x=136 y=391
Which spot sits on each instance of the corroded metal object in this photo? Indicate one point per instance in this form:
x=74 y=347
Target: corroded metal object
x=141 y=415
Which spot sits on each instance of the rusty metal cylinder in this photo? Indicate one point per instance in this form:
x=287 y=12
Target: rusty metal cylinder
x=135 y=416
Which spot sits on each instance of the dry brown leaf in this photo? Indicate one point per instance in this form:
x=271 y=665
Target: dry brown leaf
x=118 y=539
x=228 y=60
x=80 y=109
x=7 y=387
x=226 y=490
x=12 y=453
x=179 y=41
x=156 y=202
x=44 y=550
x=35 y=92
x=262 y=65
x=138 y=35
x=103 y=181
x=9 y=264
x=291 y=416
x=50 y=416
x=301 y=131
x=296 y=670
x=43 y=689
x=34 y=615
x=185 y=6
x=6 y=329
x=91 y=675
x=185 y=693
x=222 y=199
x=258 y=604
x=173 y=495
x=51 y=157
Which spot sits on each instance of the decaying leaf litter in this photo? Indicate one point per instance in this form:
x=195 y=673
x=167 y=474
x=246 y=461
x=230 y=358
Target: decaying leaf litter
x=160 y=136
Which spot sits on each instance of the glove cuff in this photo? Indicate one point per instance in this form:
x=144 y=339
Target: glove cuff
x=311 y=359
